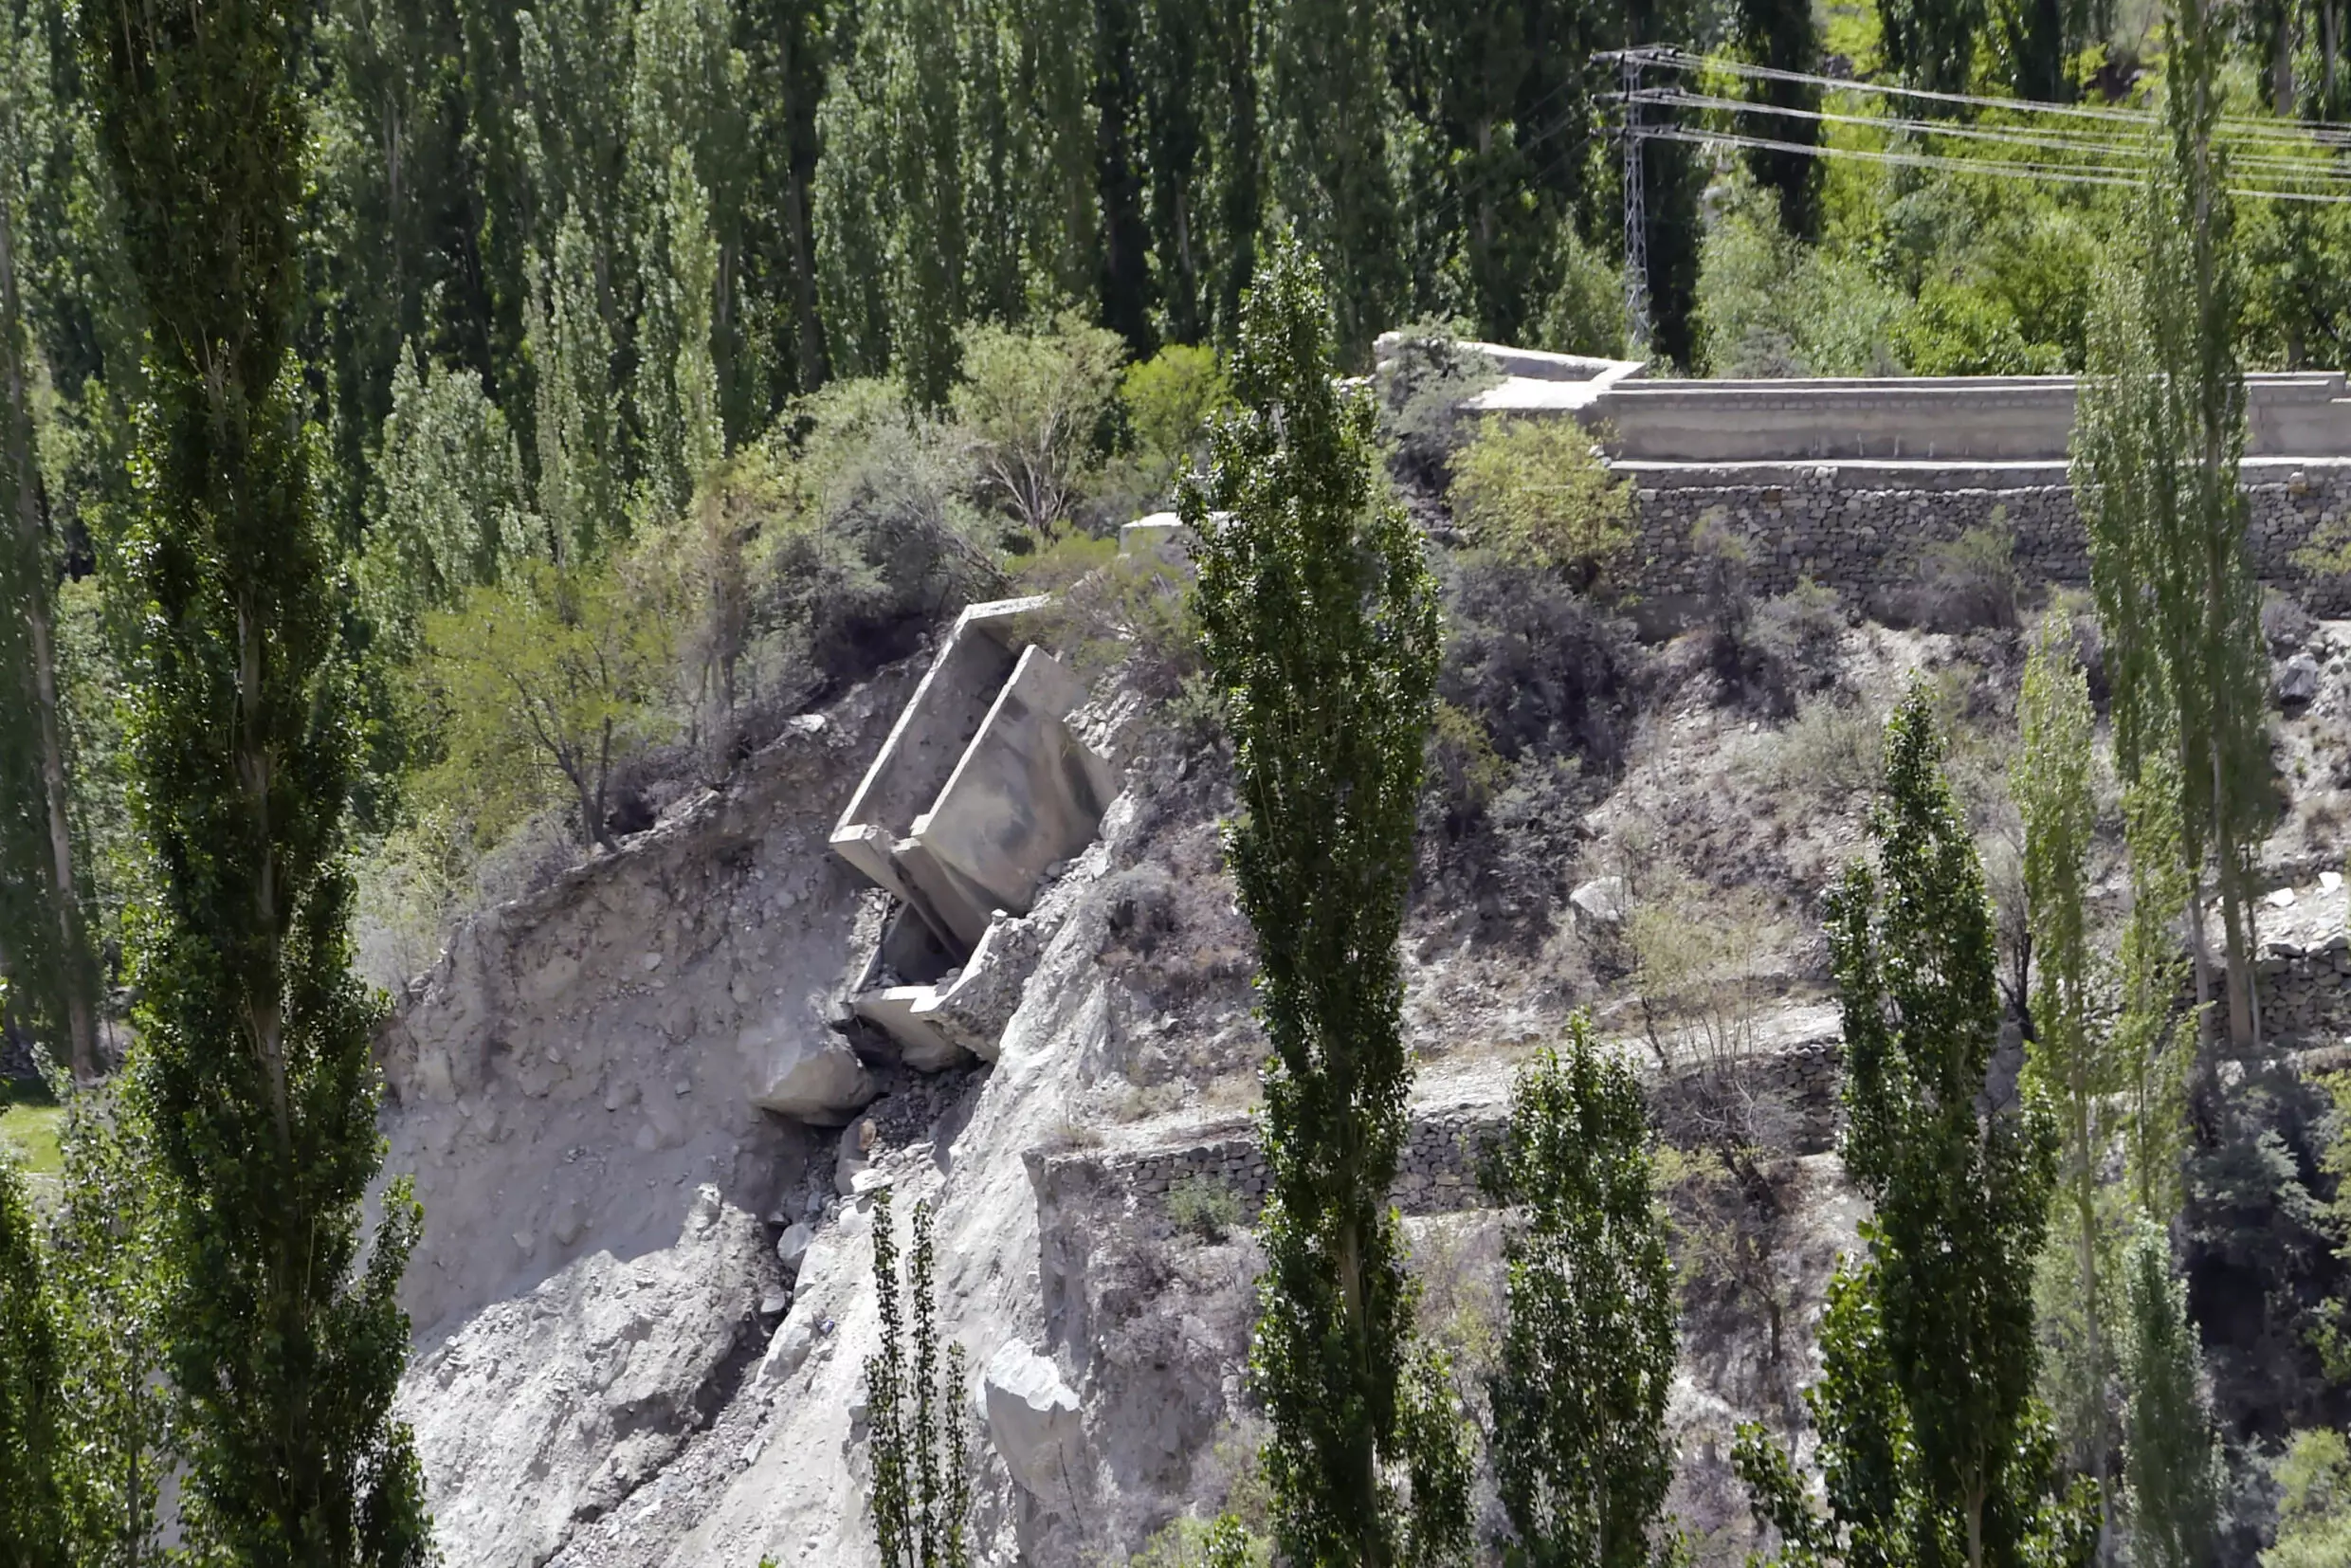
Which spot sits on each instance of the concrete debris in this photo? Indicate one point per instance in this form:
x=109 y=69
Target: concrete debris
x=1032 y=1420
x=1601 y=901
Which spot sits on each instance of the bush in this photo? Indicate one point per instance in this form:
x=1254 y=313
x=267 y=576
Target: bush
x=1954 y=330
x=1169 y=399
x=1969 y=583
x=1827 y=754
x=1536 y=494
x=1032 y=411
x=1770 y=307
x=2285 y=625
x=1542 y=667
x=874 y=537
x=1586 y=313
x=1428 y=375
x=2314 y=1510
x=1204 y=1207
x=1795 y=640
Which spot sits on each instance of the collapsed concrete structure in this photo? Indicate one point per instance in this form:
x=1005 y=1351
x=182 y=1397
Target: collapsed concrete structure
x=981 y=791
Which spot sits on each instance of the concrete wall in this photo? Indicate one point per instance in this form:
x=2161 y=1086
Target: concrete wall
x=1865 y=528
x=1976 y=419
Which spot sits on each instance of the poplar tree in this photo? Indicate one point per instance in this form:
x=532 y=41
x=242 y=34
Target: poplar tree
x=1781 y=35
x=1331 y=113
x=255 y=1073
x=1319 y=628
x=1581 y=1458
x=914 y=1405
x=34 y=1509
x=44 y=945
x=2172 y=1453
x=1933 y=1447
x=2158 y=436
x=2072 y=1064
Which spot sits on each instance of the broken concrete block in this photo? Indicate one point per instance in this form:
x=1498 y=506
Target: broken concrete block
x=804 y=1071
x=1032 y=1420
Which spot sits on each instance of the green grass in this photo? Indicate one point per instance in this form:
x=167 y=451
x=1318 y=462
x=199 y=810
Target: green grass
x=29 y=1121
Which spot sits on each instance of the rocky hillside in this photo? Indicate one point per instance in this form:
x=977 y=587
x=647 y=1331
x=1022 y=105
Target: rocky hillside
x=642 y=1304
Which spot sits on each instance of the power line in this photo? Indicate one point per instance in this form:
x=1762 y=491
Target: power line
x=2045 y=173
x=2124 y=154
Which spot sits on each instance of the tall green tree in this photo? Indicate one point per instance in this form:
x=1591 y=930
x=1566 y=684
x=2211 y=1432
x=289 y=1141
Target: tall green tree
x=576 y=415
x=1931 y=44
x=2156 y=443
x=914 y=1404
x=2072 y=1063
x=1580 y=1453
x=35 y=1509
x=1782 y=35
x=1319 y=627
x=1934 y=1449
x=256 y=1075
x=1331 y=114
x=44 y=945
x=2173 y=1454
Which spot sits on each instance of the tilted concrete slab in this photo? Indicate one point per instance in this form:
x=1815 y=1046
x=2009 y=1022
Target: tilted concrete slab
x=1027 y=793
x=979 y=789
x=928 y=740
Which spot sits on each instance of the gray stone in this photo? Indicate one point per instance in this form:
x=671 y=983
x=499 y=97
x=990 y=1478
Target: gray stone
x=792 y=1247
x=1601 y=900
x=2298 y=681
x=1032 y=1420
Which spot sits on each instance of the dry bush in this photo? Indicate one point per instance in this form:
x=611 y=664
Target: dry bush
x=1827 y=756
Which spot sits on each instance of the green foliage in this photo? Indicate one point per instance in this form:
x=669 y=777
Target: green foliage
x=114 y=1281
x=285 y=1335
x=2073 y=1065
x=1580 y=1453
x=2314 y=1512
x=34 y=1503
x=914 y=1409
x=447 y=515
x=2173 y=1454
x=575 y=414
x=1538 y=495
x=1933 y=1449
x=1031 y=408
x=538 y=687
x=1952 y=330
x=1170 y=400
x=1319 y=625
x=1427 y=375
x=1204 y=1207
x=1189 y=1543
x=1769 y=306
x=2157 y=440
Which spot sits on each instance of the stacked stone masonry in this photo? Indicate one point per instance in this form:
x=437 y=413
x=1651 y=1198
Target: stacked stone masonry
x=1865 y=528
x=1444 y=1148
x=2305 y=993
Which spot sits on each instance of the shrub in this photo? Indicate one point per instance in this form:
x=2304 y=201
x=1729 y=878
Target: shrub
x=1427 y=375
x=874 y=538
x=1169 y=399
x=2314 y=1512
x=1954 y=330
x=1204 y=1207
x=1542 y=667
x=1031 y=410
x=540 y=688
x=1970 y=583
x=1536 y=494
x=2285 y=625
x=1827 y=754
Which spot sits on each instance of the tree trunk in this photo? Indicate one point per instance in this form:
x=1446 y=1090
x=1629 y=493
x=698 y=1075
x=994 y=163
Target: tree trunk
x=73 y=957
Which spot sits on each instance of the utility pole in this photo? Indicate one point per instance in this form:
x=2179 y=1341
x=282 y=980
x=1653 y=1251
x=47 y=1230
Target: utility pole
x=1637 y=212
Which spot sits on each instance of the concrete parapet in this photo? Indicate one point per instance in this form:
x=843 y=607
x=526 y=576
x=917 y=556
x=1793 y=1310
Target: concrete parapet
x=1971 y=418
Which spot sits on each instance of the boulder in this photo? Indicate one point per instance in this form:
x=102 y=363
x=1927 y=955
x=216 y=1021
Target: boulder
x=792 y=1245
x=1601 y=900
x=804 y=1071
x=2297 y=681
x=1032 y=1418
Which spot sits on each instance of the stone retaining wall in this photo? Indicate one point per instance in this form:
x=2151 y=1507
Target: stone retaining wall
x=2305 y=993
x=1864 y=528
x=1443 y=1148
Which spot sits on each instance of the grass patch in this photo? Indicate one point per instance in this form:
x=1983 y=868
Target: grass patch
x=29 y=1122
